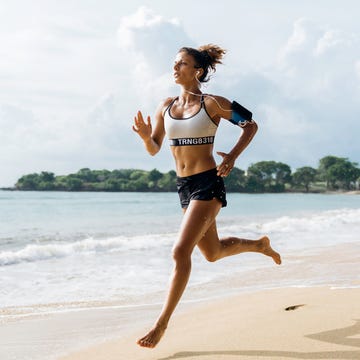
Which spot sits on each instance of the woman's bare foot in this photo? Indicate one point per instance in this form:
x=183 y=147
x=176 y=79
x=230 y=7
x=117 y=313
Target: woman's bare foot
x=151 y=339
x=266 y=249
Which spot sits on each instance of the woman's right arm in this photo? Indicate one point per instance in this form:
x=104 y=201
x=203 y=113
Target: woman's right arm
x=152 y=138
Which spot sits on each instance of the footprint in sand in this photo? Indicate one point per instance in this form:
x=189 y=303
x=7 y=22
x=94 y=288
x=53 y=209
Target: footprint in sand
x=293 y=307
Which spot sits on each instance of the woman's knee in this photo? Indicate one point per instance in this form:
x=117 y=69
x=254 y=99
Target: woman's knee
x=211 y=256
x=181 y=254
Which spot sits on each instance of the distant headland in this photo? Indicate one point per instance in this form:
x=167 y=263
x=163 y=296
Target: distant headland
x=333 y=174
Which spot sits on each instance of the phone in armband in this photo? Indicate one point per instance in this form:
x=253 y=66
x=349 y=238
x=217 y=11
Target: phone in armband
x=240 y=115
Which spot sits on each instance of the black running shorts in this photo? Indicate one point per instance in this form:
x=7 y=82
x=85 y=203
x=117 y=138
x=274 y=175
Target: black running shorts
x=203 y=186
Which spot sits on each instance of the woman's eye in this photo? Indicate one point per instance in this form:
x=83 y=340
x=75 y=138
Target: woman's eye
x=180 y=63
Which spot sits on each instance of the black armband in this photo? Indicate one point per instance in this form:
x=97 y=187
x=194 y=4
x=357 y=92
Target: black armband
x=240 y=115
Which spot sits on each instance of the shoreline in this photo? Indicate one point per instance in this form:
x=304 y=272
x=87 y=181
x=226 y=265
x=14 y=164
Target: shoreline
x=314 y=192
x=321 y=323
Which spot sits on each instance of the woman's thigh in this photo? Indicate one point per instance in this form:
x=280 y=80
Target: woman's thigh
x=198 y=218
x=209 y=244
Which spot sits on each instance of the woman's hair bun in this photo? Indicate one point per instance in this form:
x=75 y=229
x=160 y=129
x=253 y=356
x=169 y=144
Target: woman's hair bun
x=213 y=53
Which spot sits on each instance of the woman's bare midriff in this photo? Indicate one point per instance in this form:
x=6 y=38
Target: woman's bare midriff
x=192 y=160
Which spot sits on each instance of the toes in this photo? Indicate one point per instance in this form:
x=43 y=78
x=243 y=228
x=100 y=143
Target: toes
x=278 y=260
x=150 y=340
x=145 y=343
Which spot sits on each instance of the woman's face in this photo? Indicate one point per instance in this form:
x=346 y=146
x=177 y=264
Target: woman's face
x=184 y=68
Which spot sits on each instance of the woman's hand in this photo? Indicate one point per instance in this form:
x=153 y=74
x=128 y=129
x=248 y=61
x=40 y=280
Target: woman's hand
x=226 y=165
x=143 y=129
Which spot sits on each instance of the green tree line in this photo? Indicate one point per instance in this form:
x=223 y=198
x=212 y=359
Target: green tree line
x=333 y=173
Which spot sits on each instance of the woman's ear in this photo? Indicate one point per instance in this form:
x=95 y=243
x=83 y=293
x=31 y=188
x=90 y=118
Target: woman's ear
x=199 y=73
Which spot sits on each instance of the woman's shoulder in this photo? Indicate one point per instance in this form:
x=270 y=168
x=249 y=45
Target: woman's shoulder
x=167 y=101
x=215 y=103
x=164 y=104
x=212 y=98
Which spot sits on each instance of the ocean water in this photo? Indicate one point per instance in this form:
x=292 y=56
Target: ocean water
x=62 y=251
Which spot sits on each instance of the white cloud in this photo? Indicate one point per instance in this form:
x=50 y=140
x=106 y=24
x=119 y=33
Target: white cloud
x=317 y=75
x=329 y=40
x=150 y=43
x=142 y=19
x=305 y=34
x=145 y=31
x=306 y=102
x=152 y=39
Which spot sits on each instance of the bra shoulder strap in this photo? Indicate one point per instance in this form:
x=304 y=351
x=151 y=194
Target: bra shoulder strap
x=170 y=105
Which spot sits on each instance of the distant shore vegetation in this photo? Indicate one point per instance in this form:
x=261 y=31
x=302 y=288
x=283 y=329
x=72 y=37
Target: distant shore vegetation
x=333 y=174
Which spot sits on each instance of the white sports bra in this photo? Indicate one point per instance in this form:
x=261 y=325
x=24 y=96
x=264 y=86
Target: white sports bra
x=198 y=129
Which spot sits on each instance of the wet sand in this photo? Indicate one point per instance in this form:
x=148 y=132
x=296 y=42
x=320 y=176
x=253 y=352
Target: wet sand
x=295 y=323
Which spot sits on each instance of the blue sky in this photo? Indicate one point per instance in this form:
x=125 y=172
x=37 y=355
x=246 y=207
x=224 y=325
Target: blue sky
x=73 y=74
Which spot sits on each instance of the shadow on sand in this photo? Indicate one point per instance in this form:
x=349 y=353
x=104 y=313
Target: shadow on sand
x=337 y=336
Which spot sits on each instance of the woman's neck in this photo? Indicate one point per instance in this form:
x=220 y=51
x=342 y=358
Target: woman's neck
x=189 y=94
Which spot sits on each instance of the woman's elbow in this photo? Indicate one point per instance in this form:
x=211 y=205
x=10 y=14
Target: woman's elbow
x=254 y=127
x=153 y=150
x=251 y=127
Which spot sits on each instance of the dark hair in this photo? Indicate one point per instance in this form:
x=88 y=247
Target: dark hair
x=206 y=57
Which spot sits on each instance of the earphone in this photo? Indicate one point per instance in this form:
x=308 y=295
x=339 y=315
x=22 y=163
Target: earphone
x=234 y=109
x=211 y=97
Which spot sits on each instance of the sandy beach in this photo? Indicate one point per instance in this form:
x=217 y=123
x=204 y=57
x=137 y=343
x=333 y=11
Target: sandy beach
x=295 y=323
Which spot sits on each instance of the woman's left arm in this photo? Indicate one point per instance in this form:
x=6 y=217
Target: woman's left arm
x=222 y=108
x=228 y=159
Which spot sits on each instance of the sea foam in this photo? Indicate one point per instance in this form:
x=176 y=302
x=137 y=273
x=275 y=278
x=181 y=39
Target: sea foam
x=37 y=252
x=325 y=221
